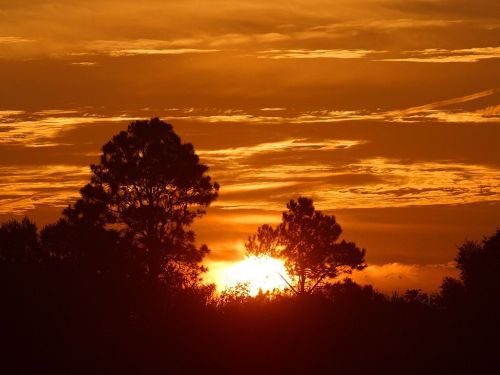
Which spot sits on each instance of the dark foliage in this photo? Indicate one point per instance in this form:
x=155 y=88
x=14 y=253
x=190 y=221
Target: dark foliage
x=479 y=265
x=19 y=242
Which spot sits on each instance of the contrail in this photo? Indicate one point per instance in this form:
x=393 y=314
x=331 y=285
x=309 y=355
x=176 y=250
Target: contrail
x=442 y=103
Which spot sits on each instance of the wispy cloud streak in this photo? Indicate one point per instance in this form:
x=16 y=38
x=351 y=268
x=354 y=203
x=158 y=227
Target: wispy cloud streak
x=238 y=153
x=44 y=127
x=441 y=103
x=14 y=40
x=466 y=55
x=316 y=54
x=25 y=188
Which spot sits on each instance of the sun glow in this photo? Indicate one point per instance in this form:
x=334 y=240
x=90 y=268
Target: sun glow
x=259 y=273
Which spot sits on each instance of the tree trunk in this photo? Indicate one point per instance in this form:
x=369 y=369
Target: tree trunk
x=302 y=284
x=154 y=258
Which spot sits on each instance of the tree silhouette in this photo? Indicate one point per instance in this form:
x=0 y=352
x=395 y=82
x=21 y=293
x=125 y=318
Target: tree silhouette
x=307 y=240
x=89 y=248
x=451 y=293
x=479 y=265
x=478 y=286
x=19 y=242
x=150 y=186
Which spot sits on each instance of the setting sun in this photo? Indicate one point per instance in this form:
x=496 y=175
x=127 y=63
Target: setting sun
x=260 y=273
x=250 y=187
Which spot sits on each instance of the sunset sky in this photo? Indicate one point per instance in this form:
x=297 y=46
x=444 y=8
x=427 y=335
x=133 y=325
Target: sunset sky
x=385 y=112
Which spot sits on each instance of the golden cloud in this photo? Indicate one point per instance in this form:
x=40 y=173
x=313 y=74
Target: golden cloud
x=400 y=277
x=466 y=55
x=14 y=40
x=40 y=131
x=24 y=188
x=316 y=54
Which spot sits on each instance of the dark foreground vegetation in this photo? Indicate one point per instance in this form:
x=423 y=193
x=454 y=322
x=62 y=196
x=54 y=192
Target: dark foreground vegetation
x=114 y=287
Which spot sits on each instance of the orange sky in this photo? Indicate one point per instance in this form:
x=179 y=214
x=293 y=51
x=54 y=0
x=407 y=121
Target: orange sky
x=386 y=112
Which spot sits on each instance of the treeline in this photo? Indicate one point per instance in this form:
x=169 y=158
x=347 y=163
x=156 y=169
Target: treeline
x=115 y=287
x=69 y=316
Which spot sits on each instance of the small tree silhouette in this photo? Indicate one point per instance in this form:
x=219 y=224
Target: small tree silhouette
x=150 y=186
x=478 y=286
x=307 y=240
x=479 y=265
x=19 y=242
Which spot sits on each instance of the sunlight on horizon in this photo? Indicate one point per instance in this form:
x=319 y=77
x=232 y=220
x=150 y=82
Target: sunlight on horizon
x=261 y=273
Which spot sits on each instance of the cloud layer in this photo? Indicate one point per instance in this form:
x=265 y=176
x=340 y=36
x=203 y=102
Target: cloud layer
x=372 y=107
